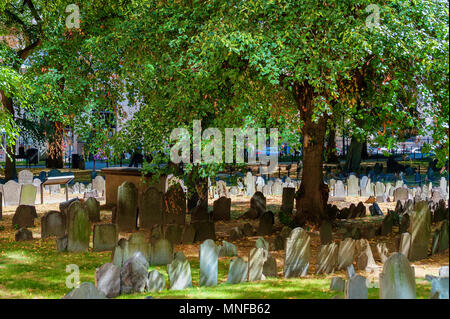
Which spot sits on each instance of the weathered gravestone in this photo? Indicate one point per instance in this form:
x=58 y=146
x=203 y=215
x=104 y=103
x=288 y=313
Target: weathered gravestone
x=25 y=177
x=134 y=274
x=127 y=199
x=162 y=253
x=401 y=194
x=397 y=279
x=356 y=288
x=327 y=259
x=383 y=252
x=175 y=205
x=250 y=183
x=28 y=195
x=346 y=253
x=439 y=288
x=107 y=280
x=99 y=185
x=238 y=271
x=352 y=186
x=208 y=263
x=174 y=233
x=270 y=267
x=277 y=188
x=405 y=244
x=93 y=208
x=266 y=222
x=151 y=209
x=204 y=230
x=156 y=281
x=105 y=237
x=221 y=209
x=420 y=230
x=79 y=228
x=339 y=191
x=138 y=243
x=257 y=258
x=86 y=290
x=228 y=250
x=24 y=216
x=326 y=232
x=257 y=206
x=53 y=223
x=179 y=274
x=287 y=200
x=297 y=253
x=11 y=193
x=440 y=238
x=188 y=234
x=364 y=256
x=337 y=284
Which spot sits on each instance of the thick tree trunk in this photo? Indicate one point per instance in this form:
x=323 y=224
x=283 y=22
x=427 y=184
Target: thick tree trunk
x=10 y=159
x=331 y=153
x=353 y=163
x=312 y=197
x=55 y=149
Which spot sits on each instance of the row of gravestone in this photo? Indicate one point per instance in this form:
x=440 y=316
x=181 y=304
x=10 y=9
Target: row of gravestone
x=252 y=184
x=399 y=191
x=396 y=281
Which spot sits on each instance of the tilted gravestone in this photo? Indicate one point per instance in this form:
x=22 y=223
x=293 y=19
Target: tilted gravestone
x=127 y=199
x=440 y=238
x=346 y=253
x=179 y=274
x=287 y=200
x=257 y=258
x=356 y=288
x=105 y=237
x=221 y=209
x=161 y=253
x=86 y=290
x=156 y=281
x=238 y=271
x=107 y=280
x=297 y=253
x=364 y=256
x=337 y=284
x=420 y=230
x=24 y=216
x=53 y=223
x=326 y=232
x=397 y=281
x=208 y=263
x=270 y=267
x=257 y=205
x=11 y=193
x=79 y=228
x=405 y=244
x=138 y=243
x=28 y=195
x=151 y=209
x=93 y=207
x=327 y=259
x=175 y=205
x=134 y=274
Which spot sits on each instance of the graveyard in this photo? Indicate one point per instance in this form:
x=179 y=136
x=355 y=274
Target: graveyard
x=35 y=266
x=211 y=150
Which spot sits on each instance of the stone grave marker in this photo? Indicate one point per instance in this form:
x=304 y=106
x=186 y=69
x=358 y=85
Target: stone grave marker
x=79 y=228
x=105 y=237
x=127 y=199
x=179 y=271
x=238 y=271
x=107 y=280
x=151 y=209
x=397 y=281
x=297 y=254
x=208 y=263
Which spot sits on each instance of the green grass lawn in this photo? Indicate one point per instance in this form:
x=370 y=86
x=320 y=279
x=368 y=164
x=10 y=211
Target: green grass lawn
x=36 y=270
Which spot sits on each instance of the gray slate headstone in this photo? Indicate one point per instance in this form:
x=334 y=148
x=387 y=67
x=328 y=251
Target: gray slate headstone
x=208 y=263
x=397 y=280
x=297 y=254
x=127 y=199
x=238 y=271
